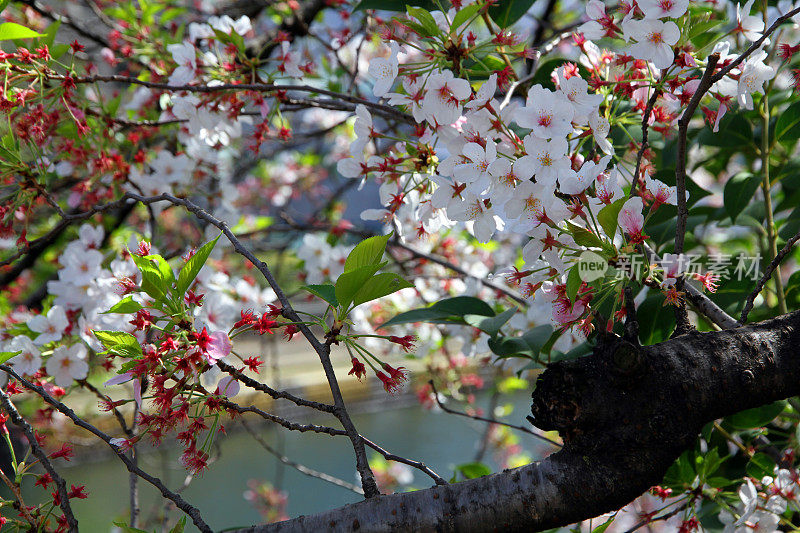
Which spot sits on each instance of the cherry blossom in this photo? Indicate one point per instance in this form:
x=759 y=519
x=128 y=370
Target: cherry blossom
x=655 y=40
x=29 y=360
x=443 y=97
x=50 y=326
x=68 y=364
x=658 y=9
x=384 y=70
x=547 y=114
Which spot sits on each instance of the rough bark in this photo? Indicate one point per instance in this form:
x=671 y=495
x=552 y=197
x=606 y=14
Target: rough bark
x=625 y=413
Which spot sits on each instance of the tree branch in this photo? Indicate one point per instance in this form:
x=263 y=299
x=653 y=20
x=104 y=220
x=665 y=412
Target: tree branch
x=767 y=273
x=600 y=405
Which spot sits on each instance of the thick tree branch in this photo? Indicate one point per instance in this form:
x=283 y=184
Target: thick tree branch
x=625 y=414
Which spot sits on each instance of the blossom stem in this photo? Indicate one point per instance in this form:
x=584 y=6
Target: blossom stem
x=765 y=187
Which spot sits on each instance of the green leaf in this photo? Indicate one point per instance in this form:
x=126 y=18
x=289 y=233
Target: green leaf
x=193 y=266
x=327 y=292
x=735 y=131
x=656 y=320
x=125 y=306
x=464 y=305
x=760 y=465
x=119 y=343
x=528 y=345
x=5 y=356
x=153 y=282
x=128 y=529
x=395 y=5
x=426 y=314
x=178 y=528
x=367 y=252
x=584 y=237
x=573 y=283
x=607 y=217
x=349 y=283
x=757 y=417
x=507 y=12
x=739 y=190
x=463 y=16
x=602 y=527
x=490 y=325
x=164 y=270
x=473 y=470
x=3 y=4
x=10 y=30
x=787 y=128
x=379 y=286
x=425 y=19
x=50 y=34
x=444 y=311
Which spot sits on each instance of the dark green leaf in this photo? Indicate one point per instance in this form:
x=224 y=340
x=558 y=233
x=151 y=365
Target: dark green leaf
x=464 y=305
x=656 y=320
x=760 y=465
x=395 y=5
x=427 y=314
x=507 y=12
x=444 y=311
x=756 y=417
x=490 y=325
x=327 y=292
x=739 y=191
x=787 y=128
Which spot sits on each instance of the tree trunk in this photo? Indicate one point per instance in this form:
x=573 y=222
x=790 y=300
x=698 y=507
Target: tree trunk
x=625 y=414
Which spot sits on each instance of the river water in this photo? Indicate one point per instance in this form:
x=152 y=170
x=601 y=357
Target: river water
x=440 y=440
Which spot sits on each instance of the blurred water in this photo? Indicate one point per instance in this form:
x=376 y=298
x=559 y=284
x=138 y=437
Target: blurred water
x=438 y=439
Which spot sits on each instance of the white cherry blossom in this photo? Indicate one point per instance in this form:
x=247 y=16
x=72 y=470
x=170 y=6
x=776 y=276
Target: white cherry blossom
x=29 y=360
x=443 y=97
x=657 y=9
x=655 y=40
x=384 y=70
x=547 y=114
x=50 y=326
x=68 y=364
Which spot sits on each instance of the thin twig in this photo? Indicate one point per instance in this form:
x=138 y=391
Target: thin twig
x=299 y=467
x=700 y=301
x=651 y=102
x=37 y=450
x=255 y=87
x=446 y=409
x=288 y=424
x=748 y=305
x=182 y=504
x=276 y=394
x=397 y=459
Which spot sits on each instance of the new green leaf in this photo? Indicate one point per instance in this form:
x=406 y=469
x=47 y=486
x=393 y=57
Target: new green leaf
x=193 y=266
